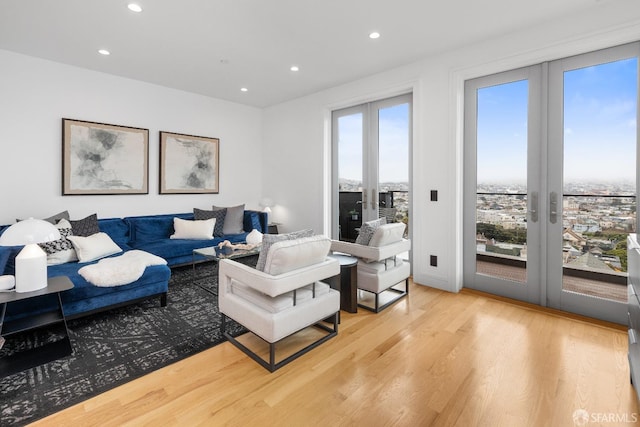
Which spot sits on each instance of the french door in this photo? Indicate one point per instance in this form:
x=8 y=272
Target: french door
x=371 y=145
x=550 y=181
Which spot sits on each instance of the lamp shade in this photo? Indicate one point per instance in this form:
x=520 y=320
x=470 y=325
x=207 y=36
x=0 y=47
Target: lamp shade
x=29 y=231
x=266 y=203
x=31 y=262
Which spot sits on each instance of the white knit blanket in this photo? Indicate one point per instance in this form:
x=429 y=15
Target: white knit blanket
x=120 y=270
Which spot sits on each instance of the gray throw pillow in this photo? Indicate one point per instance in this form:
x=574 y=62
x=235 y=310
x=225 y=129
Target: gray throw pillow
x=234 y=220
x=269 y=239
x=218 y=229
x=367 y=229
x=53 y=219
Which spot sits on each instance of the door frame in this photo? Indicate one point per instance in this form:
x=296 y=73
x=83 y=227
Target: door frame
x=550 y=155
x=557 y=297
x=370 y=134
x=532 y=290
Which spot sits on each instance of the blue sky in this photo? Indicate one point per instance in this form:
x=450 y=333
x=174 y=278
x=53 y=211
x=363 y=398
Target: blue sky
x=393 y=150
x=600 y=110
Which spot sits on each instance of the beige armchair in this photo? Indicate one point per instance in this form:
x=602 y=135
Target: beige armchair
x=284 y=298
x=380 y=270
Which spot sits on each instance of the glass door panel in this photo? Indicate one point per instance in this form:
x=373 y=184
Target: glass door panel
x=501 y=206
x=349 y=128
x=371 y=163
x=555 y=207
x=393 y=164
x=599 y=177
x=501 y=186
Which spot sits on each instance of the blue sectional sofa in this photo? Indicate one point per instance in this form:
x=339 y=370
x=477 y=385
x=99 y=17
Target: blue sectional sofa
x=149 y=233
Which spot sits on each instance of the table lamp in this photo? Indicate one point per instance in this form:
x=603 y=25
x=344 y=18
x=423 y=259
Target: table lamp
x=266 y=203
x=31 y=262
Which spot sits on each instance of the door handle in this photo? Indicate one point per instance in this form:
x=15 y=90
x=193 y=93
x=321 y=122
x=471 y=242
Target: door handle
x=364 y=199
x=533 y=206
x=553 y=207
x=373 y=199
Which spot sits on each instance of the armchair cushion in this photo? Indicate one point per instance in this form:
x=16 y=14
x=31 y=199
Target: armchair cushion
x=371 y=253
x=367 y=229
x=280 y=302
x=387 y=234
x=269 y=239
x=289 y=255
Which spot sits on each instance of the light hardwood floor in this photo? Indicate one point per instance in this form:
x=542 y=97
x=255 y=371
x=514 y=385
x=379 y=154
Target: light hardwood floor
x=435 y=358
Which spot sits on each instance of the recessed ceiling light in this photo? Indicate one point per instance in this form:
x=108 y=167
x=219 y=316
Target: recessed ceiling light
x=134 y=7
x=104 y=52
x=244 y=89
x=374 y=35
x=294 y=68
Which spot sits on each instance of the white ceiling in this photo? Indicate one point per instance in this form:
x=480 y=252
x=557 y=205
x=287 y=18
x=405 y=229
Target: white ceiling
x=215 y=47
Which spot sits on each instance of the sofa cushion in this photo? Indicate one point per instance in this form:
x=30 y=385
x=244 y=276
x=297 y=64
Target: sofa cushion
x=94 y=247
x=193 y=230
x=13 y=251
x=86 y=226
x=117 y=229
x=270 y=239
x=289 y=255
x=152 y=227
x=219 y=216
x=5 y=252
x=234 y=219
x=252 y=221
x=367 y=229
x=61 y=250
x=83 y=289
x=387 y=234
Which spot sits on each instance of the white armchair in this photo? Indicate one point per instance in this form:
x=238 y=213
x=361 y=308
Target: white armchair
x=380 y=270
x=286 y=297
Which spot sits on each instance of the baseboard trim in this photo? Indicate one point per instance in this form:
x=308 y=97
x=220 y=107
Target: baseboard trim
x=547 y=310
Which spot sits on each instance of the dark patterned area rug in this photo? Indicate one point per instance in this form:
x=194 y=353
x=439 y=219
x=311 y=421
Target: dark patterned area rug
x=117 y=346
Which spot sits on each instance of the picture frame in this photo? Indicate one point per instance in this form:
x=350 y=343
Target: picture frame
x=189 y=164
x=100 y=158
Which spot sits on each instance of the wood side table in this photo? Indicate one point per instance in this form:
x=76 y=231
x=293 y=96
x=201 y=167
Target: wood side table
x=346 y=282
x=30 y=358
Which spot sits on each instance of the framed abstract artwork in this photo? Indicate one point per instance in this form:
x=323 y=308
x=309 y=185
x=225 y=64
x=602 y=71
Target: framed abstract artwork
x=189 y=164
x=99 y=158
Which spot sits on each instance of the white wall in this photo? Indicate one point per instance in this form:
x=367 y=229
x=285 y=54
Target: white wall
x=36 y=94
x=297 y=133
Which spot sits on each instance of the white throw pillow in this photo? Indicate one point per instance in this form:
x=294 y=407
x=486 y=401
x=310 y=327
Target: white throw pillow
x=387 y=234
x=94 y=247
x=198 y=229
x=288 y=255
x=60 y=251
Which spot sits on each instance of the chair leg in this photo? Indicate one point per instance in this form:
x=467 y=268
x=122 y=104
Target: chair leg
x=377 y=307
x=272 y=356
x=272 y=365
